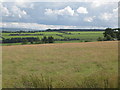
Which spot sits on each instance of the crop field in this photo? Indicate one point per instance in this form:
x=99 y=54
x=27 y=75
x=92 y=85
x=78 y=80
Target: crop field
x=61 y=65
x=82 y=35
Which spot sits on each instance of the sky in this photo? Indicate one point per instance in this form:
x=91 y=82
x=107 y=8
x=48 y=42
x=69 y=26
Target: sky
x=55 y=15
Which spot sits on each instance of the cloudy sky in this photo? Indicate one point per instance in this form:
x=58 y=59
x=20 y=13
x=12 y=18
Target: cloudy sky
x=44 y=15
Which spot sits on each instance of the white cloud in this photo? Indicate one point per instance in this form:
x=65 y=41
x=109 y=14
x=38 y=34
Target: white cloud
x=82 y=10
x=66 y=11
x=89 y=19
x=96 y=4
x=17 y=12
x=43 y=26
x=4 y=11
x=31 y=6
x=48 y=11
x=33 y=26
x=13 y=11
x=106 y=16
x=115 y=10
x=23 y=4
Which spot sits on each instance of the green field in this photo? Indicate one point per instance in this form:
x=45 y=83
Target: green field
x=82 y=35
x=61 y=65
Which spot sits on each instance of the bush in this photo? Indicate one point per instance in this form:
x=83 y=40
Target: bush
x=50 y=39
x=44 y=39
x=81 y=40
x=47 y=40
x=87 y=41
x=108 y=38
x=99 y=39
x=31 y=42
x=25 y=41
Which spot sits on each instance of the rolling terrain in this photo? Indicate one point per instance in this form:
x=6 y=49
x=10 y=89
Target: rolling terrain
x=59 y=36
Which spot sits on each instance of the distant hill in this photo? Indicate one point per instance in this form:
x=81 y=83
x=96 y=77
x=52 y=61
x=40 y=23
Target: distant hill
x=26 y=29
x=18 y=29
x=75 y=29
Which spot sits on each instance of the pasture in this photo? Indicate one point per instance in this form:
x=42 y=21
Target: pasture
x=81 y=35
x=60 y=65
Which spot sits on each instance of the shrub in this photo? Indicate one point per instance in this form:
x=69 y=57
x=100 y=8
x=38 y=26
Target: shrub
x=87 y=41
x=25 y=41
x=99 y=39
x=50 y=39
x=108 y=38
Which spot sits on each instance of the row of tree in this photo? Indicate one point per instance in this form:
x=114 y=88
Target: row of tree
x=110 y=34
x=29 y=39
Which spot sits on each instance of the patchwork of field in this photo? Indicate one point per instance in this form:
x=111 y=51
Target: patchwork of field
x=82 y=35
x=85 y=64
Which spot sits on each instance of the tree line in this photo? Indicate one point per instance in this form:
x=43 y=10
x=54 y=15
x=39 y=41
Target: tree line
x=48 y=30
x=31 y=40
x=110 y=34
x=75 y=30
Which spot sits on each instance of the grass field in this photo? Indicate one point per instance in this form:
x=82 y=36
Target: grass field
x=83 y=35
x=85 y=64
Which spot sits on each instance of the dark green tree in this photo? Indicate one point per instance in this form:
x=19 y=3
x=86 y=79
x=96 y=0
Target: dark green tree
x=108 y=38
x=118 y=34
x=44 y=39
x=109 y=31
x=99 y=39
x=50 y=39
x=25 y=41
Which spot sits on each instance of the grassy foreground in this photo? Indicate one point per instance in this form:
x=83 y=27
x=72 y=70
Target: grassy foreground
x=75 y=65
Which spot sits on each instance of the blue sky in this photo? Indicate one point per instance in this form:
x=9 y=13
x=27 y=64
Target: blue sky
x=43 y=15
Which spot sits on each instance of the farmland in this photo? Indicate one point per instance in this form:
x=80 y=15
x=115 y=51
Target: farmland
x=60 y=37
x=60 y=65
